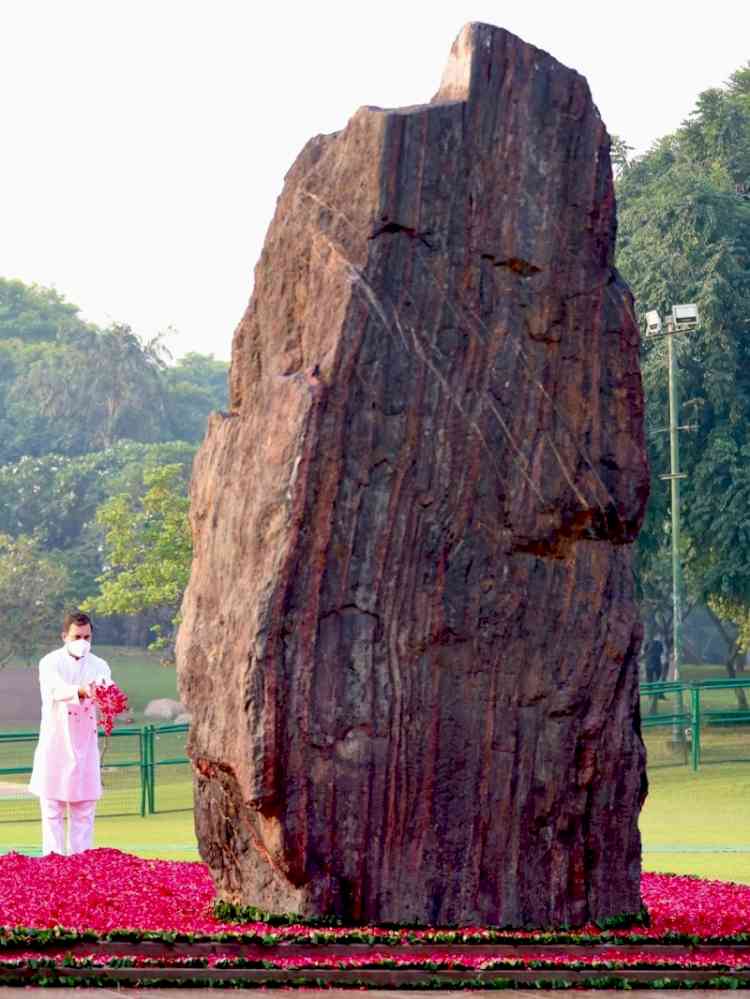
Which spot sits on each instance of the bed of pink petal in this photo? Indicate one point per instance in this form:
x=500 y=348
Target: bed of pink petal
x=435 y=959
x=107 y=890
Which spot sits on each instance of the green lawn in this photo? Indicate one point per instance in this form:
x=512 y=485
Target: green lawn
x=169 y=835
x=698 y=823
x=693 y=672
x=137 y=671
x=140 y=675
x=692 y=823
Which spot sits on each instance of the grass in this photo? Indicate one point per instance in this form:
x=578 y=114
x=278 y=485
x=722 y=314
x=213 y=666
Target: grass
x=140 y=675
x=137 y=671
x=166 y=835
x=692 y=823
x=698 y=823
x=693 y=672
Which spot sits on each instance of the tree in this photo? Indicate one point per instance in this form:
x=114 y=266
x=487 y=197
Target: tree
x=32 y=314
x=32 y=589
x=125 y=378
x=55 y=498
x=86 y=392
x=204 y=372
x=68 y=387
x=32 y=319
x=196 y=386
x=85 y=413
x=684 y=236
x=148 y=546
x=619 y=154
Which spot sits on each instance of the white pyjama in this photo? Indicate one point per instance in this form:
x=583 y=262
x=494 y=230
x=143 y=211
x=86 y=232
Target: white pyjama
x=80 y=825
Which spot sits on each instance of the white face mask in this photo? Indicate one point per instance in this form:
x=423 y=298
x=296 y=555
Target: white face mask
x=79 y=648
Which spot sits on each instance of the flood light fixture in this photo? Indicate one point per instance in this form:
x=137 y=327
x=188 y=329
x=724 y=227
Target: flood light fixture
x=685 y=317
x=653 y=323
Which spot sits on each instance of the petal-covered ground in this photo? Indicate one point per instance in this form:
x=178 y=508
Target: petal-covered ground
x=106 y=890
x=717 y=959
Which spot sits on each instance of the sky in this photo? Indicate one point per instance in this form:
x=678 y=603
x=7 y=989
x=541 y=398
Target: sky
x=145 y=142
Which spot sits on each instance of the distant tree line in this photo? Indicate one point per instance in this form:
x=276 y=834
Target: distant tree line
x=98 y=430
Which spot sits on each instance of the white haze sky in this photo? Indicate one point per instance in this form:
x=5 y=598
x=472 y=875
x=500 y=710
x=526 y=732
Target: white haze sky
x=144 y=142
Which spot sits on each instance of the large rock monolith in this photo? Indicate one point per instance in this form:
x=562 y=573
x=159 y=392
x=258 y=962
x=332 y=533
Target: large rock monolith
x=409 y=639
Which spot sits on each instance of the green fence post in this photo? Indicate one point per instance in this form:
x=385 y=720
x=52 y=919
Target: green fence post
x=695 y=696
x=151 y=773
x=143 y=770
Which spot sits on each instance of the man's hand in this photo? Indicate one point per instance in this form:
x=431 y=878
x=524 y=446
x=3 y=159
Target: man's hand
x=84 y=690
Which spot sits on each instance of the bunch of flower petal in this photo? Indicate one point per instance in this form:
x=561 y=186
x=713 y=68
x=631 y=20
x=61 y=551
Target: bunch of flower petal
x=176 y=897
x=111 y=701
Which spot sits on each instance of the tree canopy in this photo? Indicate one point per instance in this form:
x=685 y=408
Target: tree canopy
x=32 y=587
x=70 y=388
x=32 y=314
x=684 y=236
x=148 y=546
x=94 y=420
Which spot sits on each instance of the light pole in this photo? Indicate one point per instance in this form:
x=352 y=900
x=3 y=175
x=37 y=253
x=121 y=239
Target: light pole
x=683 y=319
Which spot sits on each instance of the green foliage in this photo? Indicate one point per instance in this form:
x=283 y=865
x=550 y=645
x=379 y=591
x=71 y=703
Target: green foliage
x=83 y=412
x=620 y=154
x=31 y=314
x=684 y=236
x=625 y=919
x=230 y=912
x=55 y=497
x=148 y=546
x=196 y=385
x=85 y=392
x=69 y=387
x=32 y=587
x=738 y=613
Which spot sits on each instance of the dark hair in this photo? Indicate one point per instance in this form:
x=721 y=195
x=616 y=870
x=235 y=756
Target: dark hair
x=76 y=617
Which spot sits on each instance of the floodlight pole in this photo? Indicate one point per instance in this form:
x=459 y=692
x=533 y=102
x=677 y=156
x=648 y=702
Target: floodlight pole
x=674 y=478
x=684 y=319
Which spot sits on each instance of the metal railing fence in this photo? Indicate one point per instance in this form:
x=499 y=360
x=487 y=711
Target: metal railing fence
x=135 y=762
x=146 y=769
x=696 y=723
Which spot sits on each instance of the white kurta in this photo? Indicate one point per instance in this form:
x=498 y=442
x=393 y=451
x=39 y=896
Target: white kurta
x=66 y=759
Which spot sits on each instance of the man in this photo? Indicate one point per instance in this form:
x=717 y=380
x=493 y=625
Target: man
x=66 y=772
x=653 y=656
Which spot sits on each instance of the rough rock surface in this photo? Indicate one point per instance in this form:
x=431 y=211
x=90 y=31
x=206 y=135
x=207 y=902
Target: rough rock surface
x=409 y=640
